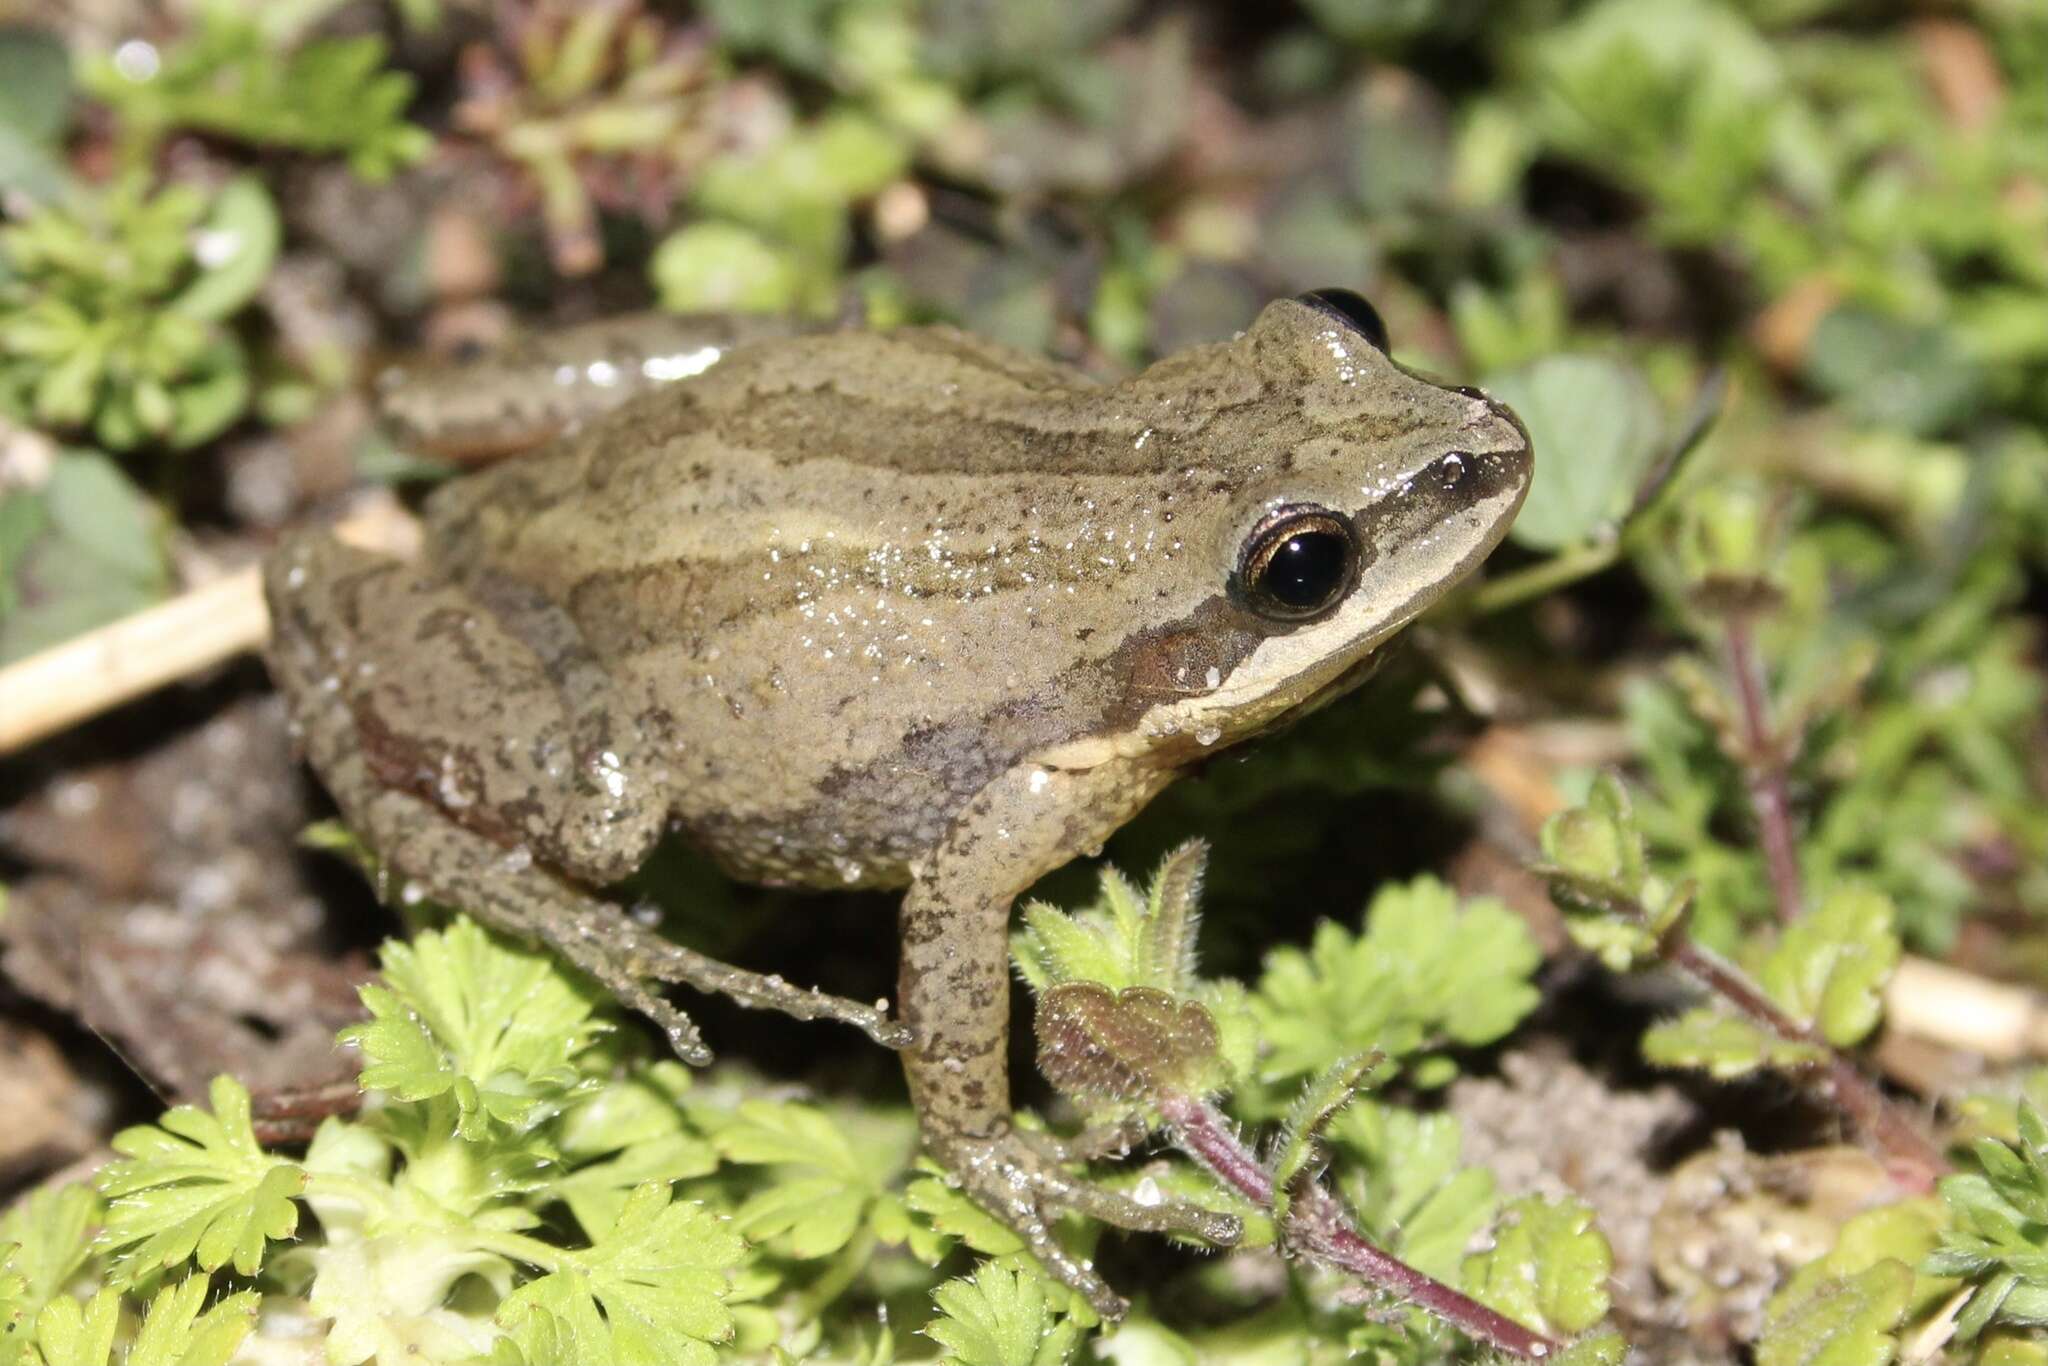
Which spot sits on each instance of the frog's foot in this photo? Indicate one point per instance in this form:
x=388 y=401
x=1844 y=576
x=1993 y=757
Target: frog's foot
x=645 y=956
x=1024 y=1184
x=1091 y=1144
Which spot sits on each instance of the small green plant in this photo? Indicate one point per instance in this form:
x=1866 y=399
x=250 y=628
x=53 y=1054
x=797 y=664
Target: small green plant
x=595 y=106
x=245 y=71
x=522 y=1184
x=1998 y=1242
x=1129 y=1031
x=115 y=311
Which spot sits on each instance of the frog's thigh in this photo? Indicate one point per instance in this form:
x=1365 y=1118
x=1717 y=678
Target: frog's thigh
x=447 y=703
x=955 y=970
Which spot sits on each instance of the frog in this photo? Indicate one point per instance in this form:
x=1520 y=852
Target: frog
x=899 y=609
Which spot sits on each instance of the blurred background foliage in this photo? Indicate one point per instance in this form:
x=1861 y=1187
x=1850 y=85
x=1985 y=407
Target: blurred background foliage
x=222 y=217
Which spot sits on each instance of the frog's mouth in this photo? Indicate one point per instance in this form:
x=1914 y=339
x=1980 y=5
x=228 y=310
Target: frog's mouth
x=1349 y=681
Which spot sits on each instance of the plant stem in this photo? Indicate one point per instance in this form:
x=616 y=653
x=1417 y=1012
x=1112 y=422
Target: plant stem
x=1764 y=770
x=1913 y=1158
x=1318 y=1225
x=1545 y=576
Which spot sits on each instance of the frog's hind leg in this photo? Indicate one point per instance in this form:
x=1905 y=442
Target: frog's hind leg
x=449 y=748
x=628 y=960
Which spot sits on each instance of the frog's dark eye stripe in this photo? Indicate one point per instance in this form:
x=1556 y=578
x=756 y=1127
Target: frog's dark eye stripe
x=1297 y=563
x=1353 y=311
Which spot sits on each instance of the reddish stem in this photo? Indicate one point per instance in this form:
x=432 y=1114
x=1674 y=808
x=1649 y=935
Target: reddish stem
x=1764 y=771
x=1912 y=1157
x=1320 y=1226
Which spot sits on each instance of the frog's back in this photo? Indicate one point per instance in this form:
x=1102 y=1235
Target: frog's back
x=840 y=582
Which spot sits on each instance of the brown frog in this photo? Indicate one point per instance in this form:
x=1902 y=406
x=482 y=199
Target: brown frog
x=880 y=609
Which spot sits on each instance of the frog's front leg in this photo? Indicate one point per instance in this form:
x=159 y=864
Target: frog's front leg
x=471 y=749
x=955 y=991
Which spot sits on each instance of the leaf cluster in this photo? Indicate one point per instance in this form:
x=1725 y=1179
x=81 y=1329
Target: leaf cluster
x=246 y=72
x=1427 y=970
x=114 y=310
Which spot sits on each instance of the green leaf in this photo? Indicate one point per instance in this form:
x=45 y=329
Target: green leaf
x=1127 y=937
x=1893 y=373
x=1165 y=952
x=16 y=1310
x=1000 y=1317
x=1601 y=1349
x=1724 y=1046
x=235 y=248
x=71 y=1333
x=953 y=1215
x=722 y=267
x=650 y=1292
x=470 y=1015
x=1996 y=1237
x=1320 y=1102
x=1596 y=429
x=822 y=1190
x=1426 y=968
x=1846 y=1321
x=51 y=1233
x=196 y=1185
x=87 y=549
x=175 y=1333
x=1548 y=1268
x=35 y=85
x=1401 y=1172
x=1829 y=968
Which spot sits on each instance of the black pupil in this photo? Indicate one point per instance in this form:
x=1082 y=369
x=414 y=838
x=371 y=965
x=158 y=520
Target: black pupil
x=1306 y=569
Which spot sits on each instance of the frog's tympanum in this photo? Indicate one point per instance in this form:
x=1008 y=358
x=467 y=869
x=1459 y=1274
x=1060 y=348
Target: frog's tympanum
x=891 y=609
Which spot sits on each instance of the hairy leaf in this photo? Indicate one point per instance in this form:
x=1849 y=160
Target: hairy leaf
x=1846 y=1321
x=1548 y=1267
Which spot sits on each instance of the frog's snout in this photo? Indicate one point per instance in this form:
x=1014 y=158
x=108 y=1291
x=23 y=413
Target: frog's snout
x=1496 y=431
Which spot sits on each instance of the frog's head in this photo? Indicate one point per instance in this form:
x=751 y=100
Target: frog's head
x=1362 y=493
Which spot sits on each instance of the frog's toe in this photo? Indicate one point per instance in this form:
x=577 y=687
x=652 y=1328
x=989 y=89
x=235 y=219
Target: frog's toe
x=1154 y=1213
x=663 y=960
x=1017 y=1179
x=673 y=1022
x=1016 y=1193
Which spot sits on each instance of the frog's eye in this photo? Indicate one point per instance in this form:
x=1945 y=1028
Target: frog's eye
x=1297 y=563
x=1353 y=311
